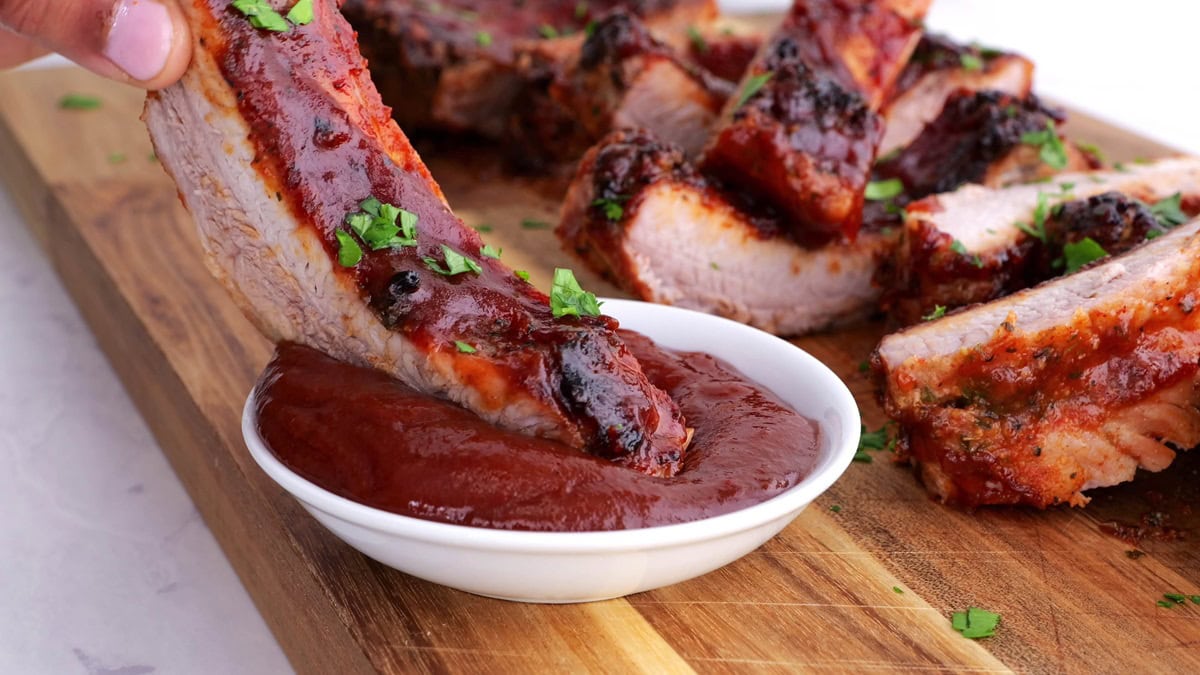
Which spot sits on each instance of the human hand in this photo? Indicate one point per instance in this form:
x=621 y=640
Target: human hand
x=141 y=42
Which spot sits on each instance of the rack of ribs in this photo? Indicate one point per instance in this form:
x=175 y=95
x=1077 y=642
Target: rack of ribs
x=1058 y=389
x=328 y=230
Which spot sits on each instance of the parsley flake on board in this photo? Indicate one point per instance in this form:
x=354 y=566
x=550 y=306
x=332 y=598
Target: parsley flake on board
x=697 y=40
x=880 y=439
x=938 y=312
x=301 y=13
x=752 y=86
x=836 y=508
x=567 y=297
x=522 y=275
x=116 y=158
x=79 y=102
x=262 y=15
x=1050 y=146
x=878 y=191
x=975 y=623
x=456 y=263
x=1091 y=149
x=531 y=224
x=547 y=31
x=464 y=347
x=897 y=590
x=483 y=39
x=1076 y=254
x=489 y=251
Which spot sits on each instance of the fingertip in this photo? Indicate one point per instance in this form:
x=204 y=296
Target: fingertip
x=149 y=41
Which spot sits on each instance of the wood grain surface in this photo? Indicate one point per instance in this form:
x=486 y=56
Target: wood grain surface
x=817 y=597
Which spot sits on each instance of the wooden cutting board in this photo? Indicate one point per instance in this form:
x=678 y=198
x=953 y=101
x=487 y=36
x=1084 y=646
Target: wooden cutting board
x=867 y=585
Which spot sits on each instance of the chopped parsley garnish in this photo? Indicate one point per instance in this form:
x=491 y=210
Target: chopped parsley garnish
x=349 y=252
x=483 y=39
x=301 y=13
x=382 y=225
x=1178 y=598
x=1120 y=167
x=897 y=590
x=1079 y=253
x=1038 y=229
x=975 y=623
x=489 y=251
x=884 y=189
x=116 y=158
x=1165 y=603
x=567 y=297
x=262 y=15
x=938 y=312
x=961 y=249
x=531 y=224
x=1066 y=187
x=835 y=508
x=880 y=439
x=752 y=86
x=713 y=264
x=456 y=263
x=864 y=366
x=1051 y=150
x=483 y=227
x=612 y=208
x=547 y=31
x=581 y=10
x=79 y=102
x=1167 y=211
x=522 y=275
x=1195 y=599
x=464 y=347
x=697 y=40
x=1091 y=149
x=970 y=61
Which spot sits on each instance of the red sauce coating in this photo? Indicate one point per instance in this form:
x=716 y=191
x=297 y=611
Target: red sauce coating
x=367 y=437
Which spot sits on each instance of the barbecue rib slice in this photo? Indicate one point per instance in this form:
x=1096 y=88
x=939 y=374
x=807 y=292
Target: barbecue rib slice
x=1072 y=385
x=274 y=139
x=976 y=244
x=939 y=68
x=461 y=65
x=624 y=77
x=640 y=214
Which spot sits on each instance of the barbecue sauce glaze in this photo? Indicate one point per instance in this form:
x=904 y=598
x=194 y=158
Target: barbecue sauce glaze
x=369 y=438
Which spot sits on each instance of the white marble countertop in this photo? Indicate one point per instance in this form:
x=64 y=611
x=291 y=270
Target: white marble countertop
x=107 y=566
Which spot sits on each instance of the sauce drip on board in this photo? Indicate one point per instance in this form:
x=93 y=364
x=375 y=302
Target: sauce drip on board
x=369 y=438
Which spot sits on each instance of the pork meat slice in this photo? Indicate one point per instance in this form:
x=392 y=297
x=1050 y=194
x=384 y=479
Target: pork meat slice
x=938 y=68
x=462 y=65
x=1055 y=390
x=979 y=138
x=977 y=243
x=638 y=213
x=625 y=77
x=284 y=155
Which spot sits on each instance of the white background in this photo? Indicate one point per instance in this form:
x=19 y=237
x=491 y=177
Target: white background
x=105 y=566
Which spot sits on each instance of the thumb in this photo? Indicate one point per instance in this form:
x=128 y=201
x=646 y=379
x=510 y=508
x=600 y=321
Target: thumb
x=141 y=42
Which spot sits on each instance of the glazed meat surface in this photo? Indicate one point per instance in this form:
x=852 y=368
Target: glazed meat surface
x=977 y=138
x=1072 y=385
x=463 y=65
x=280 y=147
x=937 y=70
x=641 y=215
x=977 y=244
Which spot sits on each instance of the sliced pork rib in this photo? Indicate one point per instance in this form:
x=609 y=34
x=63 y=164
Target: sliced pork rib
x=977 y=138
x=624 y=77
x=939 y=68
x=1072 y=385
x=274 y=139
x=977 y=244
x=462 y=65
x=641 y=215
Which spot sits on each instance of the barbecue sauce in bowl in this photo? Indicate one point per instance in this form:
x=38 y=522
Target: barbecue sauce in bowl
x=367 y=437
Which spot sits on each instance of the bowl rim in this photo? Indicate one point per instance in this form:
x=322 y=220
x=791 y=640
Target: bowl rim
x=826 y=471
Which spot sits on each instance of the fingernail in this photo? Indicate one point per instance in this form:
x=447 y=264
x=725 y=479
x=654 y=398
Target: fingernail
x=139 y=38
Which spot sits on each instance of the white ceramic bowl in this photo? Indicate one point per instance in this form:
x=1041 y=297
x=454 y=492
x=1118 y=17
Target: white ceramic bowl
x=584 y=566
